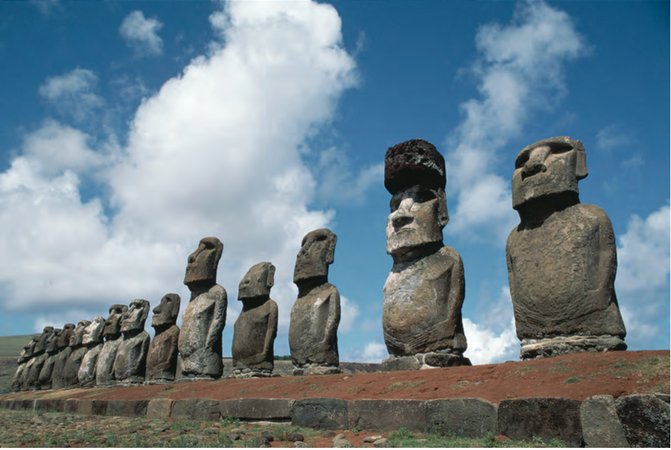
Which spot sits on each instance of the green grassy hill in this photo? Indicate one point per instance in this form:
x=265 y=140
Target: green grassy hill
x=10 y=346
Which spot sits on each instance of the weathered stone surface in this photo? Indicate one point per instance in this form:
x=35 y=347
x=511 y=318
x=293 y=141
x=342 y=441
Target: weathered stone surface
x=49 y=404
x=159 y=408
x=91 y=407
x=93 y=341
x=320 y=413
x=645 y=420
x=44 y=379
x=256 y=326
x=424 y=291
x=39 y=357
x=131 y=357
x=71 y=405
x=546 y=418
x=387 y=415
x=76 y=355
x=315 y=315
x=126 y=408
x=205 y=316
x=112 y=335
x=561 y=257
x=162 y=357
x=257 y=408
x=469 y=417
x=600 y=425
x=196 y=409
x=401 y=363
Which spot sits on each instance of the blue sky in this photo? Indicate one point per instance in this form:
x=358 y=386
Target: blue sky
x=132 y=129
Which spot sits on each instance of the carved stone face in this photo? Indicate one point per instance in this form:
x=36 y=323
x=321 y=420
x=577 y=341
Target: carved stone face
x=78 y=333
x=52 y=342
x=257 y=281
x=134 y=318
x=165 y=314
x=93 y=331
x=64 y=338
x=27 y=351
x=41 y=345
x=112 y=327
x=418 y=215
x=315 y=256
x=547 y=167
x=202 y=264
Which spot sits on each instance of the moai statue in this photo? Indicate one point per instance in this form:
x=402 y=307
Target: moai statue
x=112 y=335
x=256 y=326
x=131 y=358
x=162 y=357
x=561 y=257
x=44 y=379
x=424 y=291
x=93 y=341
x=25 y=356
x=205 y=315
x=39 y=357
x=78 y=350
x=315 y=315
x=23 y=383
x=64 y=350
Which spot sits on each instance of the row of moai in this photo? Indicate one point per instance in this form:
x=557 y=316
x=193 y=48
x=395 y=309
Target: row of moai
x=561 y=262
x=118 y=351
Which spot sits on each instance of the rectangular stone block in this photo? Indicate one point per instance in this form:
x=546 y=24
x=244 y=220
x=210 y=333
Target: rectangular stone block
x=600 y=425
x=126 y=408
x=71 y=405
x=49 y=404
x=196 y=409
x=320 y=413
x=92 y=407
x=545 y=418
x=387 y=415
x=256 y=408
x=467 y=417
x=159 y=408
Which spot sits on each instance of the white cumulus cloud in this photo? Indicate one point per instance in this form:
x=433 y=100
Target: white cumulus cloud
x=141 y=33
x=73 y=93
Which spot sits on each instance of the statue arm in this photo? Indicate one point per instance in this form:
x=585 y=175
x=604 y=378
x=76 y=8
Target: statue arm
x=271 y=332
x=330 y=334
x=218 y=319
x=455 y=299
x=607 y=259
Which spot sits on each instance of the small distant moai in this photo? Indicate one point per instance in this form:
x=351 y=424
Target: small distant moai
x=39 y=357
x=44 y=379
x=64 y=350
x=78 y=350
x=112 y=335
x=315 y=315
x=256 y=326
x=26 y=354
x=130 y=362
x=561 y=257
x=424 y=291
x=205 y=315
x=162 y=357
x=93 y=341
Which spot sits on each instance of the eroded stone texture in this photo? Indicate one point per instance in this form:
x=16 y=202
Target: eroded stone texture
x=39 y=357
x=315 y=315
x=424 y=291
x=162 y=357
x=93 y=341
x=51 y=352
x=112 y=335
x=64 y=350
x=18 y=380
x=76 y=355
x=205 y=316
x=561 y=257
x=131 y=357
x=256 y=326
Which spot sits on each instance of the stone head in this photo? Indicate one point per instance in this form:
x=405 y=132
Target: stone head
x=414 y=174
x=52 y=342
x=78 y=333
x=64 y=338
x=112 y=327
x=316 y=255
x=546 y=167
x=93 y=333
x=202 y=264
x=134 y=318
x=41 y=345
x=257 y=281
x=27 y=350
x=165 y=314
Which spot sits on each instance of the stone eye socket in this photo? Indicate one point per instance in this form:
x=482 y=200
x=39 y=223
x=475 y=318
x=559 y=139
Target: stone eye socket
x=395 y=202
x=560 y=149
x=424 y=195
x=522 y=158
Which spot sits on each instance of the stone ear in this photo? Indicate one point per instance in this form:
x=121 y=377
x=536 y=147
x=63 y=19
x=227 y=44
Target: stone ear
x=270 y=280
x=443 y=215
x=580 y=165
x=332 y=238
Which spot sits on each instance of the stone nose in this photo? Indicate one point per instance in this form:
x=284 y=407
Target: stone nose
x=532 y=167
x=400 y=218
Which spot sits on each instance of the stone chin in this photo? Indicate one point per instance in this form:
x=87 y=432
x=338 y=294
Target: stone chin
x=559 y=177
x=407 y=239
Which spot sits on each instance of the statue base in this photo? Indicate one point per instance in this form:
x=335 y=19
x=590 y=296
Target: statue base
x=252 y=373
x=564 y=345
x=159 y=381
x=421 y=361
x=314 y=369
